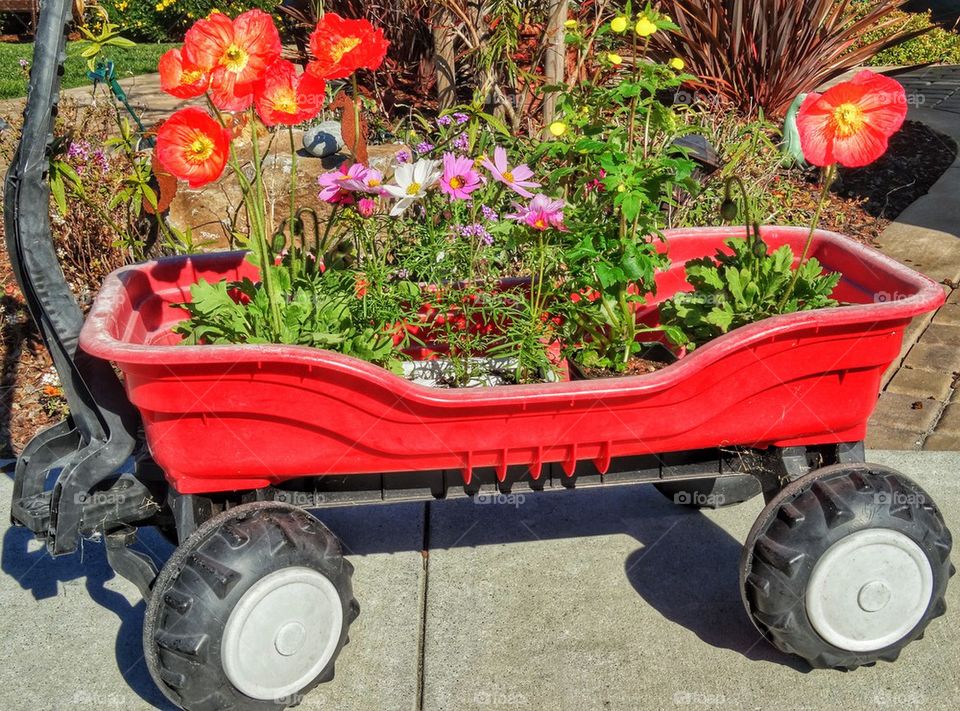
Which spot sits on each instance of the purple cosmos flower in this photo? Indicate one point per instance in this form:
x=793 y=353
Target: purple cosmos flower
x=424 y=147
x=460 y=178
x=542 y=212
x=515 y=178
x=461 y=142
x=489 y=214
x=444 y=121
x=403 y=156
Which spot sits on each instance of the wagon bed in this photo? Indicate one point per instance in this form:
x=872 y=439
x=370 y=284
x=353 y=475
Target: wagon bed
x=221 y=418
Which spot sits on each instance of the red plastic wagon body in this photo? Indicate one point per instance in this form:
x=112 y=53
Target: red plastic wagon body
x=221 y=418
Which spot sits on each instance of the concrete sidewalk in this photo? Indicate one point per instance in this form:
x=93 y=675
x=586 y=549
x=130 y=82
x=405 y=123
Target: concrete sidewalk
x=605 y=600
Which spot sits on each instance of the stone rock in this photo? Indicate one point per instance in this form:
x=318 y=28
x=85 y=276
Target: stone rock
x=323 y=139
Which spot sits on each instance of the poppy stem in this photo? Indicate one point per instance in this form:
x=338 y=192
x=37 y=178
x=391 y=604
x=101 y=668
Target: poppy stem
x=293 y=204
x=828 y=177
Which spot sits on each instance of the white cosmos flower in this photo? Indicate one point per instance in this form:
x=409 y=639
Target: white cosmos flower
x=412 y=182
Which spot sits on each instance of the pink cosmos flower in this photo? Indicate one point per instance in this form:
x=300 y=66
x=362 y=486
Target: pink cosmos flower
x=368 y=180
x=542 y=213
x=514 y=178
x=337 y=185
x=459 y=177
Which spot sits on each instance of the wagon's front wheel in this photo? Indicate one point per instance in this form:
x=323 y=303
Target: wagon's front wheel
x=846 y=566
x=250 y=612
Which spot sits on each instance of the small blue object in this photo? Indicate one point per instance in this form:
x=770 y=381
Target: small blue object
x=323 y=140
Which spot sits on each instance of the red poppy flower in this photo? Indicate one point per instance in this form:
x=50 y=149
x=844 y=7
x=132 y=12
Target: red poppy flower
x=340 y=47
x=193 y=146
x=179 y=78
x=236 y=53
x=851 y=123
x=286 y=98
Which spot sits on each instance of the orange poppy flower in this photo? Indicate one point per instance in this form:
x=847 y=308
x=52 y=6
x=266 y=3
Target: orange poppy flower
x=851 y=123
x=236 y=53
x=179 y=78
x=193 y=146
x=283 y=97
x=340 y=47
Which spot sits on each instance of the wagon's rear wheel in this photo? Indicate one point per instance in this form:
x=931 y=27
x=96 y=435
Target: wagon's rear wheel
x=711 y=493
x=846 y=566
x=250 y=612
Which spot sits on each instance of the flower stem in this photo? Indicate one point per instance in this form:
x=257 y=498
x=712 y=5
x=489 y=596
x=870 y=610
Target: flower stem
x=828 y=177
x=294 y=264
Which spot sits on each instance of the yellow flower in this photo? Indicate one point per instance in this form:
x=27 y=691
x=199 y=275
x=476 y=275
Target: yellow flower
x=645 y=26
x=621 y=188
x=614 y=59
x=558 y=128
x=677 y=63
x=570 y=24
x=619 y=24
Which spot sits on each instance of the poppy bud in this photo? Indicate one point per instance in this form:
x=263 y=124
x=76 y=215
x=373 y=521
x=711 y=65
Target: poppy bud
x=728 y=210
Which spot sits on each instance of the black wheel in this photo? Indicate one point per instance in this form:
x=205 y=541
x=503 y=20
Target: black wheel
x=250 y=612
x=846 y=566
x=711 y=493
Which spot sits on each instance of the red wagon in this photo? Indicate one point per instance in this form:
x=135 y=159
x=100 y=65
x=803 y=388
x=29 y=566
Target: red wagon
x=225 y=447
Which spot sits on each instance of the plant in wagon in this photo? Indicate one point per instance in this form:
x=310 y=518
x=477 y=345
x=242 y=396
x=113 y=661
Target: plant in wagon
x=849 y=124
x=305 y=293
x=614 y=155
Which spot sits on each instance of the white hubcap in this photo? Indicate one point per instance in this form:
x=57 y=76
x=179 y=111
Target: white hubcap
x=282 y=633
x=869 y=589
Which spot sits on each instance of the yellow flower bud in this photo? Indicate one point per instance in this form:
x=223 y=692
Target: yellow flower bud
x=570 y=24
x=645 y=27
x=621 y=187
x=618 y=24
x=677 y=63
x=614 y=59
x=558 y=128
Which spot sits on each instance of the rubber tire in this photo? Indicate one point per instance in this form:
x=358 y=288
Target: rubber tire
x=204 y=579
x=711 y=493
x=807 y=517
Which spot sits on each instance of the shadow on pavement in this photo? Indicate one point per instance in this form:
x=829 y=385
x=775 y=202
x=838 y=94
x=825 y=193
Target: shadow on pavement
x=686 y=568
x=34 y=570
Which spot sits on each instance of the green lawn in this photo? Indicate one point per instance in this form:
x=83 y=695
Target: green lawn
x=129 y=62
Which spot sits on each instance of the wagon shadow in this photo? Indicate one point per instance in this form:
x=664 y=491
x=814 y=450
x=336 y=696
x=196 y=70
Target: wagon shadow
x=686 y=567
x=34 y=570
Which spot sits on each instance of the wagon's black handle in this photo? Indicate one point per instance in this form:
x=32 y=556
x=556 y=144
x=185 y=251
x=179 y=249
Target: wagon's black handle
x=101 y=431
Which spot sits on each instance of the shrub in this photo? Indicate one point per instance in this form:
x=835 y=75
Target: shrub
x=937 y=45
x=762 y=54
x=162 y=20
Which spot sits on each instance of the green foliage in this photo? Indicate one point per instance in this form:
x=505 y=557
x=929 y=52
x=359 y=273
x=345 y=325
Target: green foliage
x=737 y=288
x=619 y=167
x=315 y=311
x=168 y=20
x=131 y=61
x=937 y=45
